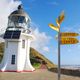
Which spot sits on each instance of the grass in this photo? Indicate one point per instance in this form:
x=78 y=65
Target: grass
x=1 y=56
x=36 y=65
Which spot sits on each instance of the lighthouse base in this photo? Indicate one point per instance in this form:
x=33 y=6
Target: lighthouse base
x=16 y=71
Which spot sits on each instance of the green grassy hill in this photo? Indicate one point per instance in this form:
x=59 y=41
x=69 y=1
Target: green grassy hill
x=39 y=56
x=35 y=57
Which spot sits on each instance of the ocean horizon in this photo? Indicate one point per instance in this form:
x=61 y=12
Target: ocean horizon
x=71 y=67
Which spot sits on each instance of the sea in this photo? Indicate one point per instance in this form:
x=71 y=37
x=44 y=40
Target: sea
x=73 y=67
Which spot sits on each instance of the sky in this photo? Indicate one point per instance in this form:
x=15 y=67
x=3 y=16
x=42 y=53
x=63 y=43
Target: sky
x=43 y=12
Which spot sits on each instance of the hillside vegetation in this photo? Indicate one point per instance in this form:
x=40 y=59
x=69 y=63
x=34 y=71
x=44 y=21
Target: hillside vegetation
x=36 y=54
x=35 y=57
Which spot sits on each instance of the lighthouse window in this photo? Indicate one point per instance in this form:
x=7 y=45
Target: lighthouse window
x=13 y=59
x=21 y=19
x=23 y=43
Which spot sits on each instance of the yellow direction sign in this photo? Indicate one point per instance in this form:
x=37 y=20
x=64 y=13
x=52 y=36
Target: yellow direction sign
x=60 y=18
x=54 y=27
x=69 y=34
x=64 y=41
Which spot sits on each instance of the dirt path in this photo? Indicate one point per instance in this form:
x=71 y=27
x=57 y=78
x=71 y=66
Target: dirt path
x=41 y=74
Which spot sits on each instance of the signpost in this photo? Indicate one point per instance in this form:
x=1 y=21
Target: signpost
x=63 y=38
x=54 y=27
x=68 y=34
x=64 y=41
x=57 y=28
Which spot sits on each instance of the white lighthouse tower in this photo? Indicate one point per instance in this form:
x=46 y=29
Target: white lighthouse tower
x=17 y=43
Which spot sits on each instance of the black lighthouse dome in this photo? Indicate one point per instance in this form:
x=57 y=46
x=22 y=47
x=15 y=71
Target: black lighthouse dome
x=19 y=19
x=20 y=12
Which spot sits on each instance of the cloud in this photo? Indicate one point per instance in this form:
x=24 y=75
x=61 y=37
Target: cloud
x=46 y=49
x=67 y=29
x=41 y=41
x=53 y=3
x=6 y=7
x=72 y=28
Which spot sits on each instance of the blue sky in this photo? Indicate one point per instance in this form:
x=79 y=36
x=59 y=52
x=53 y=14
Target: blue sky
x=43 y=12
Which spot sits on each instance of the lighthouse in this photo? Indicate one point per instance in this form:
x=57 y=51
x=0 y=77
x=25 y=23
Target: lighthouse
x=17 y=43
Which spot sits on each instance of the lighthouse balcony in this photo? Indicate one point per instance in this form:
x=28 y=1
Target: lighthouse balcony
x=15 y=29
x=23 y=30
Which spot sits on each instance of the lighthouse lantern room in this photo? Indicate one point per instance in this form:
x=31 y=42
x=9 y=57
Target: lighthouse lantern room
x=17 y=43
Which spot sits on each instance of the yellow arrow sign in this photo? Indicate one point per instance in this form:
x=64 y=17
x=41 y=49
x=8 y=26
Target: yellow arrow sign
x=60 y=18
x=54 y=27
x=69 y=34
x=68 y=41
